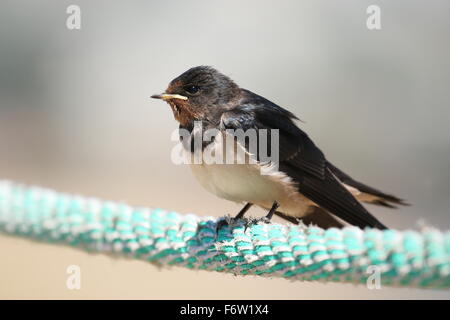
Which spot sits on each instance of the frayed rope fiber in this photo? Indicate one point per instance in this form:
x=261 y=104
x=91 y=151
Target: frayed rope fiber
x=403 y=258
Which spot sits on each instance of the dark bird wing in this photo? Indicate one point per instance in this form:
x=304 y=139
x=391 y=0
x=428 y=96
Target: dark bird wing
x=377 y=197
x=300 y=158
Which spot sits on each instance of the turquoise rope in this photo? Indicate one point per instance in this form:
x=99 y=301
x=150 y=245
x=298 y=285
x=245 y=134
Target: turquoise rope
x=404 y=258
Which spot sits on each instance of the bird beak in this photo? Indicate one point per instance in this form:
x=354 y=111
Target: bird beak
x=168 y=96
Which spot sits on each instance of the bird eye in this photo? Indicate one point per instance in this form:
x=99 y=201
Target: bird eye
x=191 y=89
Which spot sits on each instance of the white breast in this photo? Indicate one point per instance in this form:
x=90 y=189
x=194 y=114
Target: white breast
x=246 y=183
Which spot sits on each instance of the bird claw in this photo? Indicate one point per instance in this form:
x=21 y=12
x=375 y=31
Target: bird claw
x=230 y=222
x=226 y=221
x=220 y=224
x=252 y=222
x=263 y=220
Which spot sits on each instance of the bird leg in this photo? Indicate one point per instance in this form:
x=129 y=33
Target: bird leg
x=267 y=218
x=240 y=215
x=272 y=210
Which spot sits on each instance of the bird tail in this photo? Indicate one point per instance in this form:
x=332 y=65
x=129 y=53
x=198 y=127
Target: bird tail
x=371 y=195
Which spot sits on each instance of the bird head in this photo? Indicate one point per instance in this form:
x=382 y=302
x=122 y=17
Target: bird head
x=199 y=94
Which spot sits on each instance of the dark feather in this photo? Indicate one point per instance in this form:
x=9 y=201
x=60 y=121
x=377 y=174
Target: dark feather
x=331 y=195
x=386 y=200
x=321 y=218
x=300 y=158
x=315 y=216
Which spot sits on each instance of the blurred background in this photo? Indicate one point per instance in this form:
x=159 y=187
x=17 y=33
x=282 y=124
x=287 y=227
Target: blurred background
x=75 y=115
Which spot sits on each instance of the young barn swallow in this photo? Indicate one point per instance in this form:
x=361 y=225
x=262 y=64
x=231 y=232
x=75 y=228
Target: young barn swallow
x=306 y=187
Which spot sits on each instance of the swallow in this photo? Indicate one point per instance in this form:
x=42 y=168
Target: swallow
x=306 y=186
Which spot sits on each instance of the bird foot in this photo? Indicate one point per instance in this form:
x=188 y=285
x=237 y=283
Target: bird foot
x=261 y=220
x=234 y=221
x=228 y=221
x=254 y=221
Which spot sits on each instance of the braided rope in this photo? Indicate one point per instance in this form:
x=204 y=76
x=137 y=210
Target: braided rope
x=409 y=258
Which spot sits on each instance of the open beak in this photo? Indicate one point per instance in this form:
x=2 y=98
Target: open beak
x=168 y=96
